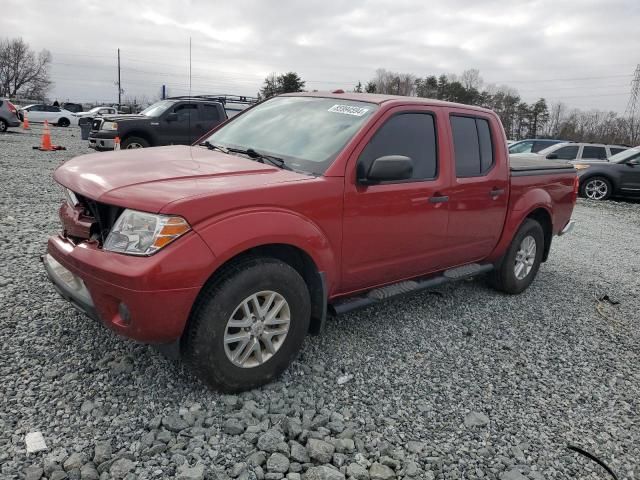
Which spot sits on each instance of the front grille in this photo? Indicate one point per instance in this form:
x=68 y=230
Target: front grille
x=104 y=217
x=96 y=124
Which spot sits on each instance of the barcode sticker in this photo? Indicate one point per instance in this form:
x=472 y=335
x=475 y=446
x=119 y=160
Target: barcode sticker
x=349 y=110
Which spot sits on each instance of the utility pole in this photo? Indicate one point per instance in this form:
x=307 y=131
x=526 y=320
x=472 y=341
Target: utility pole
x=632 y=107
x=119 y=85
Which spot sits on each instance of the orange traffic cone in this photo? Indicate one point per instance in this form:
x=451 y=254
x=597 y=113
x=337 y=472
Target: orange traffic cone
x=116 y=143
x=25 y=123
x=46 y=138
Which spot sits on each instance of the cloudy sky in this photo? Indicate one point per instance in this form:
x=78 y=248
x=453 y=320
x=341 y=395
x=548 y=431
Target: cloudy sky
x=582 y=52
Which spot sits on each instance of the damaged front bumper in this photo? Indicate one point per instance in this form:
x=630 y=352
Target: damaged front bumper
x=69 y=286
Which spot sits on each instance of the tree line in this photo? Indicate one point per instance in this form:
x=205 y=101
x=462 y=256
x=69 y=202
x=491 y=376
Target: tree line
x=519 y=118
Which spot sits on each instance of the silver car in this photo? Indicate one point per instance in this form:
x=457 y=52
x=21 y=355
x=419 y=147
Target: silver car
x=8 y=115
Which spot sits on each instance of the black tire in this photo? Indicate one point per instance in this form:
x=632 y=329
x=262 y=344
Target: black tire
x=3 y=126
x=504 y=277
x=602 y=193
x=203 y=342
x=64 y=122
x=134 y=142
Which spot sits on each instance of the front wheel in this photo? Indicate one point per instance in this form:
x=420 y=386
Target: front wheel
x=64 y=122
x=134 y=142
x=521 y=263
x=248 y=325
x=596 y=188
x=3 y=126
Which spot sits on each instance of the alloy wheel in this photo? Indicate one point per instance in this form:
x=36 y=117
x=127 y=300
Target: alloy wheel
x=525 y=257
x=257 y=329
x=596 y=189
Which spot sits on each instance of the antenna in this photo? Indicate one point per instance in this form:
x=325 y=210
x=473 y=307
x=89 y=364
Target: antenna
x=189 y=110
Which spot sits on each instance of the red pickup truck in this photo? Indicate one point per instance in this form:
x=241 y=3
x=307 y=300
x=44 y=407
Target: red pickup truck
x=303 y=205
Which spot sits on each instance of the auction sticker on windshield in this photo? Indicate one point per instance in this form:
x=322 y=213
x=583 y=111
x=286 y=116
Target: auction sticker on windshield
x=349 y=110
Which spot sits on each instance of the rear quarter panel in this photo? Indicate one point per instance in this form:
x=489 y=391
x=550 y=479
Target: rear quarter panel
x=552 y=192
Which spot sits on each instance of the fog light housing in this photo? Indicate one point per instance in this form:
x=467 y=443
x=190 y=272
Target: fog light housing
x=125 y=315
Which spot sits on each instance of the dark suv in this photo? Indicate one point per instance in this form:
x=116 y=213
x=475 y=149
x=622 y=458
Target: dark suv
x=177 y=121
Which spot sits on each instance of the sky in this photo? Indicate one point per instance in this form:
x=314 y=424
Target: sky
x=580 y=52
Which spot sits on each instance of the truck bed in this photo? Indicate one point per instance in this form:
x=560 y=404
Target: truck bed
x=534 y=166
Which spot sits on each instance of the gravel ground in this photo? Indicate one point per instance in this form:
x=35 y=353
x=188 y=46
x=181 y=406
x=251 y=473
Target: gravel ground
x=458 y=383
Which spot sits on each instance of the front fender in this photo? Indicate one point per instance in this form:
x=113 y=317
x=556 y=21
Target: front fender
x=528 y=202
x=238 y=232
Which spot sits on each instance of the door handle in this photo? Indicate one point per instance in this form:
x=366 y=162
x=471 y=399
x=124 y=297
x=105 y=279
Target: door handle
x=439 y=199
x=496 y=192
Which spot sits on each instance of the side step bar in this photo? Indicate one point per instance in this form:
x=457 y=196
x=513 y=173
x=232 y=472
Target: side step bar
x=410 y=286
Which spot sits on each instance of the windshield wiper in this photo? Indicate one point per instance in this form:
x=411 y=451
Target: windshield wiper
x=211 y=146
x=261 y=157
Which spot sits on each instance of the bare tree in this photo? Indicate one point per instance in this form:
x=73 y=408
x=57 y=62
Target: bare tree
x=22 y=71
x=471 y=79
x=393 y=83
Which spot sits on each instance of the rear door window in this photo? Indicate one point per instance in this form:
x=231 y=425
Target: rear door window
x=210 y=113
x=616 y=150
x=409 y=134
x=186 y=111
x=537 y=146
x=472 y=145
x=596 y=153
x=566 y=153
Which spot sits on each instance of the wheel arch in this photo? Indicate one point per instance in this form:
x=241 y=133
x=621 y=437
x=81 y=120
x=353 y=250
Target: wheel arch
x=585 y=178
x=293 y=256
x=141 y=134
x=543 y=217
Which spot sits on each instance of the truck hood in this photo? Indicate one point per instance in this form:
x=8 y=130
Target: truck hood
x=123 y=117
x=150 y=179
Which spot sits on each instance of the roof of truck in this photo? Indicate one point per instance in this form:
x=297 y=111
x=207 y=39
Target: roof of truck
x=380 y=99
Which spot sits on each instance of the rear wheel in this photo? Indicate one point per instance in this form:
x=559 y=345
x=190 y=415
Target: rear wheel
x=64 y=122
x=596 y=188
x=520 y=265
x=134 y=142
x=248 y=325
x=3 y=126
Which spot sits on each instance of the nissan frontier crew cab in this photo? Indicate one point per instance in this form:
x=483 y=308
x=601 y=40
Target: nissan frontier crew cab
x=304 y=205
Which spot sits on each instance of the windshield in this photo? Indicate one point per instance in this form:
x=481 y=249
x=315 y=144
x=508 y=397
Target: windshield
x=94 y=109
x=157 y=108
x=306 y=132
x=625 y=155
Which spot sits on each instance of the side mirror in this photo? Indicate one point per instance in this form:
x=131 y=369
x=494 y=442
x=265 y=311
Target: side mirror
x=388 y=168
x=172 y=117
x=552 y=156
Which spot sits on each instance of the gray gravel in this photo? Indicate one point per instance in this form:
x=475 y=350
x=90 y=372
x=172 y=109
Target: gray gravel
x=461 y=383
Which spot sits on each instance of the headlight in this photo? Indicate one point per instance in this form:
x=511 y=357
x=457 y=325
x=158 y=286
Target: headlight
x=72 y=200
x=109 y=126
x=140 y=233
x=581 y=166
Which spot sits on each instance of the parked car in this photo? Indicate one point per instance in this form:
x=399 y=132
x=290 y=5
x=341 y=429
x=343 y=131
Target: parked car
x=38 y=113
x=620 y=176
x=167 y=122
x=533 y=145
x=96 y=111
x=235 y=249
x=8 y=115
x=577 y=152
